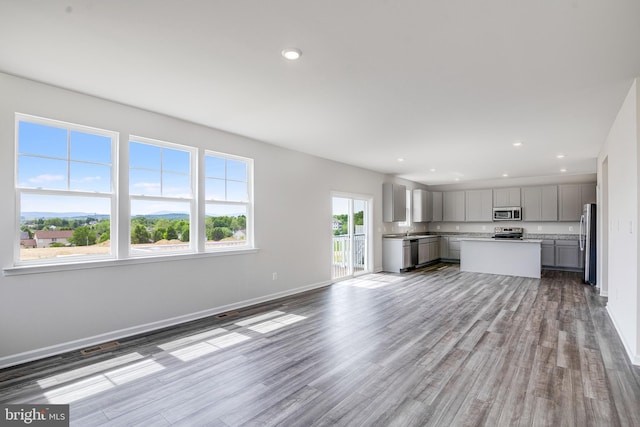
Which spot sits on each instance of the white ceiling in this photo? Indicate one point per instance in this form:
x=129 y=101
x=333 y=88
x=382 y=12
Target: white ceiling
x=444 y=84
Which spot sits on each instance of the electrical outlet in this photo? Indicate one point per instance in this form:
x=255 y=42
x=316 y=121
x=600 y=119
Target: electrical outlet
x=484 y=227
x=275 y=276
x=539 y=228
x=437 y=227
x=457 y=227
x=570 y=228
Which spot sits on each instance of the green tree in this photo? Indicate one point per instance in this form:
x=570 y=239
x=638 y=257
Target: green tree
x=28 y=230
x=140 y=235
x=104 y=236
x=83 y=236
x=103 y=227
x=158 y=234
x=171 y=233
x=219 y=233
x=184 y=232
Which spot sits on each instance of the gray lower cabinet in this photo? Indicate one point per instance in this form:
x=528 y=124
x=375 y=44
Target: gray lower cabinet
x=449 y=248
x=454 y=248
x=396 y=255
x=548 y=253
x=444 y=247
x=568 y=254
x=428 y=250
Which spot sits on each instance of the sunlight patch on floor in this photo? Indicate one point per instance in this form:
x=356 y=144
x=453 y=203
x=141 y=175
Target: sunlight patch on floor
x=259 y=318
x=88 y=370
x=277 y=323
x=170 y=345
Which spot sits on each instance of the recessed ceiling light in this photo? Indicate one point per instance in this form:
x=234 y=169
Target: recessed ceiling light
x=456 y=179
x=517 y=144
x=291 y=53
x=563 y=170
x=400 y=159
x=432 y=169
x=560 y=156
x=504 y=175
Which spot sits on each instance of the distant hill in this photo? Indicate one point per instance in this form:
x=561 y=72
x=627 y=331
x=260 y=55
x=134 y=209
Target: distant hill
x=68 y=215
x=168 y=215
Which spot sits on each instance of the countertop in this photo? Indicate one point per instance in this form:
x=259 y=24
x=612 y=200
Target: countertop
x=527 y=236
x=489 y=239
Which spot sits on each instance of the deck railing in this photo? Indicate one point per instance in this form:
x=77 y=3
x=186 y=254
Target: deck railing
x=342 y=252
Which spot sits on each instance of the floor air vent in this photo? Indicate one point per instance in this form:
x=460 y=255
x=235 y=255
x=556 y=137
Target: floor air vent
x=101 y=347
x=227 y=314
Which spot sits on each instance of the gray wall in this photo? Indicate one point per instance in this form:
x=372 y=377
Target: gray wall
x=47 y=313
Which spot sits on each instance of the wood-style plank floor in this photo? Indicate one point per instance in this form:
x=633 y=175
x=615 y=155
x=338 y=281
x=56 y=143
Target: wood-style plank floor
x=435 y=347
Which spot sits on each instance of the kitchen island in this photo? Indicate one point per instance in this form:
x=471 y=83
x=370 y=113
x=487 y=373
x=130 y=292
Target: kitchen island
x=510 y=257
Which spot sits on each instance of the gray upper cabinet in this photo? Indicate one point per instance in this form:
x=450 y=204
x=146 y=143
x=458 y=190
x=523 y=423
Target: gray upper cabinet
x=436 y=204
x=394 y=202
x=453 y=203
x=422 y=210
x=571 y=198
x=588 y=193
x=540 y=203
x=504 y=197
x=479 y=207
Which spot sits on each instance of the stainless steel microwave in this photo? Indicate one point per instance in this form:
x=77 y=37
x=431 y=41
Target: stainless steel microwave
x=507 y=214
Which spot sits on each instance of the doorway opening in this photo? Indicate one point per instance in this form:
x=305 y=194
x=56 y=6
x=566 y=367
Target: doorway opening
x=350 y=237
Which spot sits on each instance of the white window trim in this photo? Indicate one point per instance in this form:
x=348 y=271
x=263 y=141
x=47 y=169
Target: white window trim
x=193 y=214
x=113 y=218
x=249 y=204
x=120 y=200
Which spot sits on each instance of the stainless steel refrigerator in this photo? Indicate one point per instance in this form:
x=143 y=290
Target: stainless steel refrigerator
x=588 y=242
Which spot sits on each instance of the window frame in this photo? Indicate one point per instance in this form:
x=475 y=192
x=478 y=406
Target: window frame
x=119 y=200
x=249 y=204
x=192 y=200
x=111 y=195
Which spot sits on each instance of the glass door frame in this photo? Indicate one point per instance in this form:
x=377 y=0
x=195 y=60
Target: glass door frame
x=368 y=233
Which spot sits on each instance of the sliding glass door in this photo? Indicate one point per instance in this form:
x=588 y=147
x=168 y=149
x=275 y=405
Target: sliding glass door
x=350 y=229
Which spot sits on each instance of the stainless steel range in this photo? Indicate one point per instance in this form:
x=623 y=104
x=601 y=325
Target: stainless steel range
x=508 y=233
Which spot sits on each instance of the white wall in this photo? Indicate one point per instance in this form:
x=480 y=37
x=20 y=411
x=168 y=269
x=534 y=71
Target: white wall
x=621 y=150
x=48 y=313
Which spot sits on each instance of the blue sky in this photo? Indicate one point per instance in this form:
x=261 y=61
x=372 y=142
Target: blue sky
x=60 y=159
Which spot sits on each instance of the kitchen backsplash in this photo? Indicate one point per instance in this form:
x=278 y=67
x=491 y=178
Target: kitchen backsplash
x=488 y=227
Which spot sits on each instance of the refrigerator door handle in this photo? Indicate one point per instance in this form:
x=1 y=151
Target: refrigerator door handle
x=582 y=236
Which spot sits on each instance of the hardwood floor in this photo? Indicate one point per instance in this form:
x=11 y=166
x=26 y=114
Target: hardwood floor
x=435 y=347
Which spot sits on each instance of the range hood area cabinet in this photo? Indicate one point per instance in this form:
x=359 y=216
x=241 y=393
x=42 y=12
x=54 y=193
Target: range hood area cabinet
x=506 y=197
x=394 y=202
x=422 y=210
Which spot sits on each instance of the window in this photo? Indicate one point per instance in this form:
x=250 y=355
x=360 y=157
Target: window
x=228 y=195
x=181 y=199
x=162 y=197
x=65 y=190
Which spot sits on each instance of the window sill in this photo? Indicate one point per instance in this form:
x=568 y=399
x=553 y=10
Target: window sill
x=51 y=268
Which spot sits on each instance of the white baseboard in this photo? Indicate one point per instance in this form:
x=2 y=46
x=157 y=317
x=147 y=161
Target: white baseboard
x=635 y=358
x=41 y=353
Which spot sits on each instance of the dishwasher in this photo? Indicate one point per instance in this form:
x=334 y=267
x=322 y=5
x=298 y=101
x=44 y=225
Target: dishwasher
x=410 y=253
